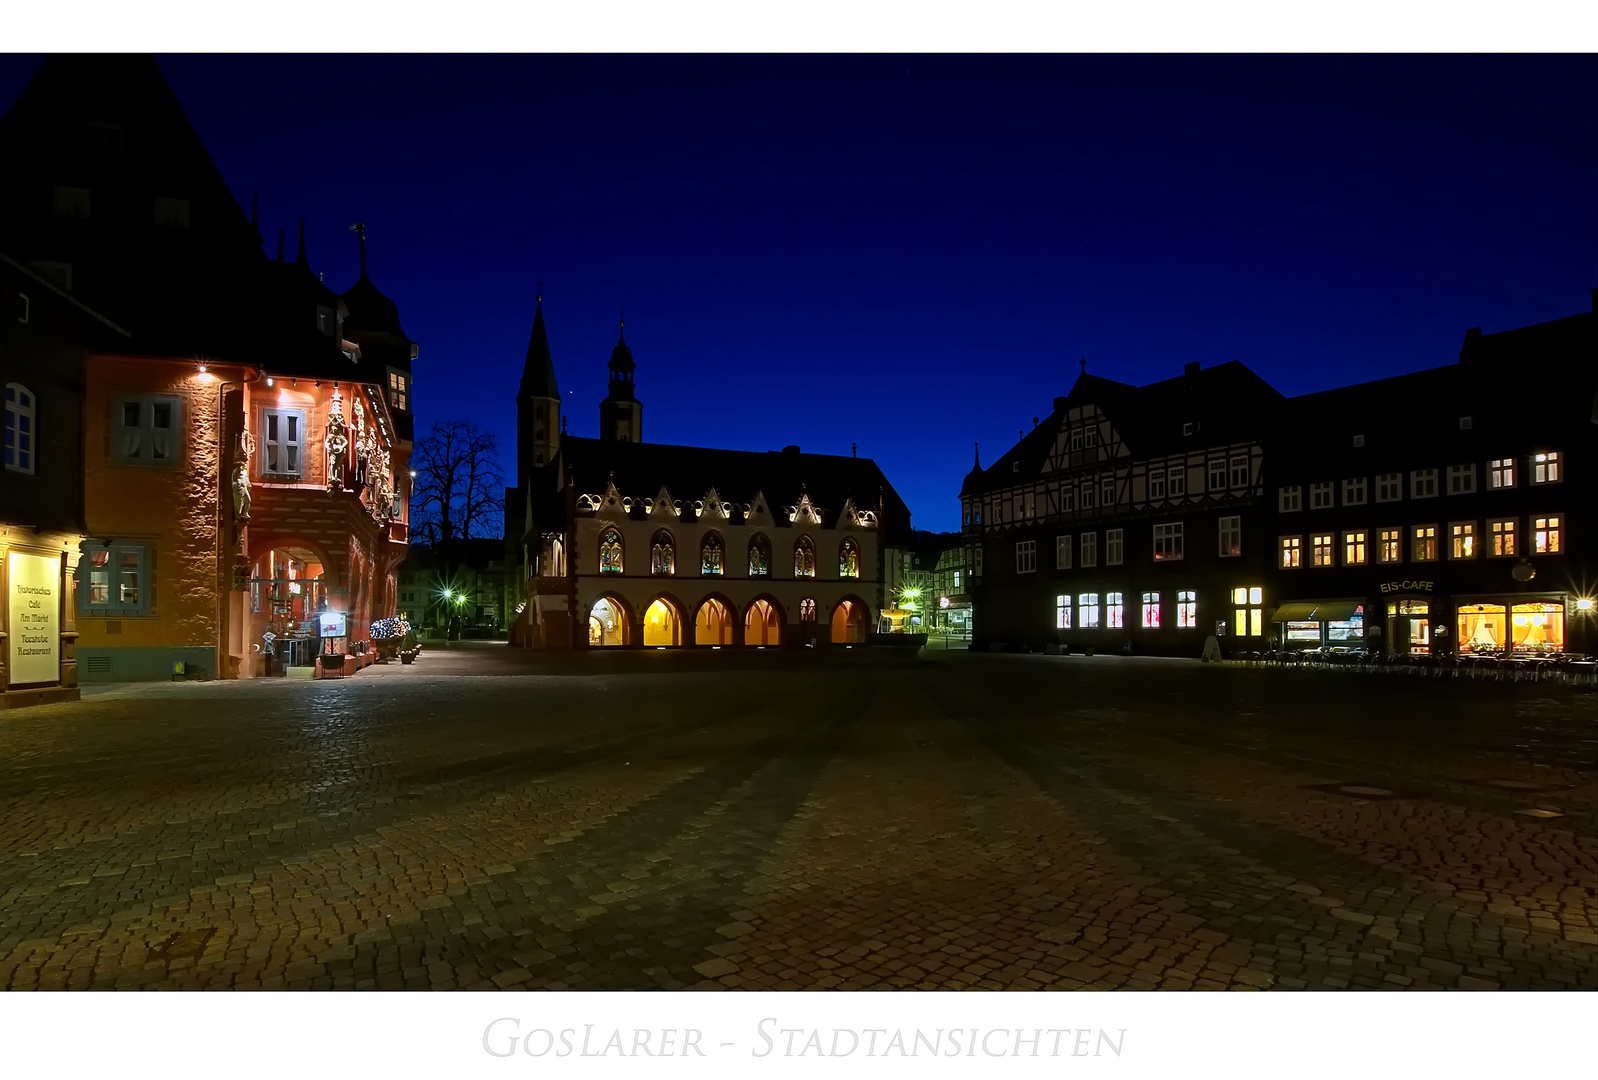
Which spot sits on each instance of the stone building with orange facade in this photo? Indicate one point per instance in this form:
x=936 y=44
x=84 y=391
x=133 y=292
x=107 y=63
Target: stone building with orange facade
x=246 y=432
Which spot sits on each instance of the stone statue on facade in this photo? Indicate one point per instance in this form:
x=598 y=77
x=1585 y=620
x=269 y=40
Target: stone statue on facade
x=241 y=492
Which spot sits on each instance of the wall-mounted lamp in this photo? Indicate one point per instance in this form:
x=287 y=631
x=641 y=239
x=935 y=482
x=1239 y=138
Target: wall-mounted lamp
x=269 y=380
x=203 y=368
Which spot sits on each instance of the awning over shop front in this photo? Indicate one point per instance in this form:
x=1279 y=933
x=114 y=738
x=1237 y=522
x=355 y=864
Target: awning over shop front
x=1317 y=611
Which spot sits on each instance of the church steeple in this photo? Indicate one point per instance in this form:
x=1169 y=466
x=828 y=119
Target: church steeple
x=537 y=403
x=621 y=416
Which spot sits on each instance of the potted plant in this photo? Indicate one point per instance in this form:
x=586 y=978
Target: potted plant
x=390 y=637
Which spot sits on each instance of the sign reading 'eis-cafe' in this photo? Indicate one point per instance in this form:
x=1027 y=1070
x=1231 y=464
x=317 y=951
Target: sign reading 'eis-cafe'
x=34 y=618
x=1406 y=586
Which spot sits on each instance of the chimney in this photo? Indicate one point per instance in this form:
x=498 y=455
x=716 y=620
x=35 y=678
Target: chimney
x=1059 y=404
x=1191 y=369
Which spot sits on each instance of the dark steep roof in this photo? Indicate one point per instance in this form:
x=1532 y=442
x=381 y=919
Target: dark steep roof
x=640 y=470
x=538 y=370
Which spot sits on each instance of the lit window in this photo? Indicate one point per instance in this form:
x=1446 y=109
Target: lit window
x=1062 y=613
x=957 y=579
x=1423 y=484
x=1217 y=474
x=1062 y=552
x=610 y=552
x=146 y=430
x=711 y=551
x=759 y=557
x=1087 y=606
x=1176 y=481
x=1320 y=496
x=1240 y=472
x=1156 y=484
x=807 y=610
x=399 y=392
x=1354 y=547
x=1461 y=479
x=1291 y=554
x=849 y=559
x=1545 y=468
x=114 y=580
x=1256 y=622
x=1503 y=532
x=1168 y=542
x=1151 y=610
x=1545 y=535
x=1424 y=548
x=1501 y=473
x=967 y=518
x=1090 y=549
x=1321 y=549
x=1289 y=499
x=662 y=554
x=1231 y=529
x=1026 y=556
x=283 y=443
x=1462 y=540
x=1389 y=487
x=804 y=559
x=1186 y=609
x=21 y=436
x=1354 y=492
x=1114 y=610
x=1389 y=545
x=1113 y=547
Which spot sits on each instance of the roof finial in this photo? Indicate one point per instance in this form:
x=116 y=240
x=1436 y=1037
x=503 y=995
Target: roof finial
x=622 y=324
x=854 y=449
x=300 y=259
x=1084 y=365
x=976 y=448
x=540 y=292
x=359 y=229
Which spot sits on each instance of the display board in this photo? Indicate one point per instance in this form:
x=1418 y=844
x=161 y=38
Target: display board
x=33 y=598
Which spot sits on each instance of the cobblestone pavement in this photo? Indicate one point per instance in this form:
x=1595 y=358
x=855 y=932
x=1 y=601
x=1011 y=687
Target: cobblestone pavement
x=487 y=818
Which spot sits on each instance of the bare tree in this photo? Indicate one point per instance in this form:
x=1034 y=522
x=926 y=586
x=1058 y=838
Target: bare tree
x=459 y=492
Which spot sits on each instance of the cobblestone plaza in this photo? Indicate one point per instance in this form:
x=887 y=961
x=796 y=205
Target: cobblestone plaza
x=488 y=818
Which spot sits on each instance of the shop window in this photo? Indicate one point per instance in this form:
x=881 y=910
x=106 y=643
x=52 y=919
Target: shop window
x=1321 y=549
x=1114 y=610
x=807 y=610
x=1176 y=481
x=849 y=559
x=1537 y=627
x=1389 y=487
x=1062 y=552
x=1217 y=474
x=1545 y=539
x=1482 y=628
x=1461 y=479
x=662 y=555
x=1289 y=499
x=146 y=429
x=1503 y=536
x=1423 y=547
x=1090 y=549
x=1389 y=546
x=1239 y=472
x=1423 y=484
x=1248 y=618
x=610 y=552
x=1151 y=611
x=712 y=561
x=1231 y=533
x=1114 y=547
x=1354 y=547
x=283 y=443
x=1291 y=548
x=1087 y=607
x=1320 y=496
x=1354 y=492
x=1107 y=491
x=114 y=580
x=1501 y=473
x=804 y=559
x=1545 y=468
x=1186 y=609
x=399 y=392
x=1087 y=494
x=1156 y=484
x=1026 y=556
x=21 y=435
x=1062 y=613
x=1168 y=542
x=1462 y=540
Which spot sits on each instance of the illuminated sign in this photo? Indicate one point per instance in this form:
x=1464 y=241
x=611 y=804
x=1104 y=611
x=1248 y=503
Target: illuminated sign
x=330 y=624
x=1406 y=586
x=34 y=599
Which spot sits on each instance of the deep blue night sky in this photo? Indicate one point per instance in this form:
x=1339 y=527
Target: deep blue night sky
x=911 y=253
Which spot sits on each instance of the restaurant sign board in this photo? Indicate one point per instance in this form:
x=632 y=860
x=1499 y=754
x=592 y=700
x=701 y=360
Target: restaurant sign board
x=33 y=597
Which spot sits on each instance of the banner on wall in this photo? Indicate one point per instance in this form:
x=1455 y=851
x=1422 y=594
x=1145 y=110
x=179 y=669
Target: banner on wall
x=33 y=599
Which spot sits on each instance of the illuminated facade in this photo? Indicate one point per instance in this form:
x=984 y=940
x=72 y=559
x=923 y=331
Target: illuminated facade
x=618 y=542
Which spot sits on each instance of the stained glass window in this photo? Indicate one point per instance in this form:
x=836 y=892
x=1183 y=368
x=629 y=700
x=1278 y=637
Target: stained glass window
x=710 y=561
x=804 y=558
x=759 y=557
x=849 y=560
x=662 y=555
x=610 y=552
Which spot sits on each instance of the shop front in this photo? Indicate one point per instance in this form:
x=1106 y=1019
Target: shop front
x=1337 y=624
x=1524 y=625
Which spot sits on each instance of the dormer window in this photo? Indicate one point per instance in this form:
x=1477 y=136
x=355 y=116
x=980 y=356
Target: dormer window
x=399 y=392
x=325 y=323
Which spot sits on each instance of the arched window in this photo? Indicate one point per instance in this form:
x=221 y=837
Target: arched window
x=610 y=552
x=21 y=438
x=710 y=552
x=807 y=610
x=759 y=557
x=849 y=559
x=804 y=558
x=662 y=554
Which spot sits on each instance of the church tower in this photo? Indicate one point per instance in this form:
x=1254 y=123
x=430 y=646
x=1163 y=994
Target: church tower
x=537 y=405
x=621 y=417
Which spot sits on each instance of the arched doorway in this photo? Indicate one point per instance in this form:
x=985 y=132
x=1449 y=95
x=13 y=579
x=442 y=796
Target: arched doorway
x=713 y=623
x=607 y=623
x=662 y=625
x=848 y=623
x=762 y=624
